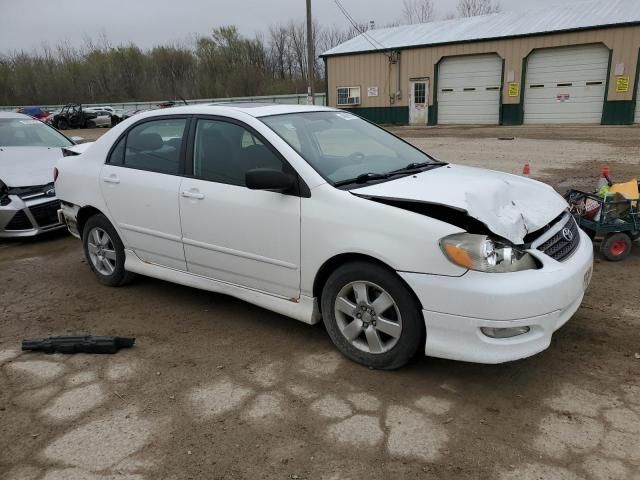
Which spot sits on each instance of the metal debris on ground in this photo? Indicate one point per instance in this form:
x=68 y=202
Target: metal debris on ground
x=81 y=344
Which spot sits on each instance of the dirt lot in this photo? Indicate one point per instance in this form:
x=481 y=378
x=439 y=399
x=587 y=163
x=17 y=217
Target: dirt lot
x=216 y=388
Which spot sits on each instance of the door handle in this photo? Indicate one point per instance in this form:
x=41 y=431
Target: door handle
x=111 y=179
x=190 y=194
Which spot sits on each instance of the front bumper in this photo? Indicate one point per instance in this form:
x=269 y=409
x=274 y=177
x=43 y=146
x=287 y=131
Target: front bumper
x=456 y=308
x=27 y=218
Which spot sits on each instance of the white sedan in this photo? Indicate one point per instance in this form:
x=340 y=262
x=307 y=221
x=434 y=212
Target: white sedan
x=317 y=214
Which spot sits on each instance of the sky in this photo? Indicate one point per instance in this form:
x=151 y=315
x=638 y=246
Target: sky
x=27 y=24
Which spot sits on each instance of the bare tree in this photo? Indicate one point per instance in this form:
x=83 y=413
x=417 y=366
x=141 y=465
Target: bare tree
x=473 y=8
x=418 y=11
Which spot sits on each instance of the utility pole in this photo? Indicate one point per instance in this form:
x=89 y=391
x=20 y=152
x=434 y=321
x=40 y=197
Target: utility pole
x=311 y=61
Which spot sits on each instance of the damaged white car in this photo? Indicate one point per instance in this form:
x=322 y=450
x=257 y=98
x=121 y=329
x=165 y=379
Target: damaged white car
x=317 y=214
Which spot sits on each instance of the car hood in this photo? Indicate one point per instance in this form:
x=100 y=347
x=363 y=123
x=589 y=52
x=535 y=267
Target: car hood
x=26 y=166
x=509 y=205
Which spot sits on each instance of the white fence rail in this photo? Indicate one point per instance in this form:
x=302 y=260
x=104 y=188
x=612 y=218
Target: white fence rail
x=320 y=99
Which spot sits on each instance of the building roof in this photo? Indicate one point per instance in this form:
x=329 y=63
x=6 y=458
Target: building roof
x=577 y=16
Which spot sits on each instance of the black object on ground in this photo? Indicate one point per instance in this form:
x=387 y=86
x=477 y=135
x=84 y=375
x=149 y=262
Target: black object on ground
x=85 y=344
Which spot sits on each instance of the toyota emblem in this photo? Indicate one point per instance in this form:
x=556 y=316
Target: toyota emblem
x=50 y=192
x=567 y=234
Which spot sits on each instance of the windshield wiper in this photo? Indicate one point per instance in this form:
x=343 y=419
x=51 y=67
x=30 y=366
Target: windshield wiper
x=363 y=178
x=416 y=166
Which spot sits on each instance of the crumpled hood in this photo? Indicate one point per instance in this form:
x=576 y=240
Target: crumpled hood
x=26 y=166
x=509 y=205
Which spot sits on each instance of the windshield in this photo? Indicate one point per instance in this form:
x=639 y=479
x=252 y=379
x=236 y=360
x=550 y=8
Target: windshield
x=18 y=132
x=341 y=146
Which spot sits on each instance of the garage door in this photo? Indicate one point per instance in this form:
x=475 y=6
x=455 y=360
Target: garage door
x=469 y=89
x=566 y=85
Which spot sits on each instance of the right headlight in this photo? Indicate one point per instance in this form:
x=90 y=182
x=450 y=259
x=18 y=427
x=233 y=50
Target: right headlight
x=481 y=253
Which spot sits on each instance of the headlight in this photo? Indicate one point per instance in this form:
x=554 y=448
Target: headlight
x=479 y=252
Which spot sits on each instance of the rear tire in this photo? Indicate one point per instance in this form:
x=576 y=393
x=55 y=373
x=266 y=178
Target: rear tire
x=371 y=316
x=104 y=252
x=616 y=247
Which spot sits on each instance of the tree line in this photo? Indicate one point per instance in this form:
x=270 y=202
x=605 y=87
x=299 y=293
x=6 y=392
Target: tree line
x=223 y=64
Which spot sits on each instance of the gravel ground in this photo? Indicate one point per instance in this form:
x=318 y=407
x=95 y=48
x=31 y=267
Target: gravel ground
x=216 y=388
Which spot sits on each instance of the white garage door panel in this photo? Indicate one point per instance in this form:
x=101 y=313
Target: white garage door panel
x=566 y=85
x=469 y=90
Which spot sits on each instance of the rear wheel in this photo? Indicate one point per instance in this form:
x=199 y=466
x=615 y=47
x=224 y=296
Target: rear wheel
x=104 y=252
x=616 y=247
x=371 y=316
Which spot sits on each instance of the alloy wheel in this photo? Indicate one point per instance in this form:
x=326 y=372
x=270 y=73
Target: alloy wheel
x=101 y=250
x=368 y=317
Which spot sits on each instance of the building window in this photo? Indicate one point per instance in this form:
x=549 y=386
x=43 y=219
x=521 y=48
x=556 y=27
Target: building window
x=348 y=95
x=420 y=93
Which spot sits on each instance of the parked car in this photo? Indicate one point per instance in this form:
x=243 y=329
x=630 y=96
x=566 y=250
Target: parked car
x=73 y=116
x=102 y=119
x=130 y=113
x=34 y=112
x=109 y=116
x=29 y=150
x=49 y=118
x=315 y=213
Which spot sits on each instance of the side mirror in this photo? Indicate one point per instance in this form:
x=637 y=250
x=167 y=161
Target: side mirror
x=268 y=179
x=77 y=140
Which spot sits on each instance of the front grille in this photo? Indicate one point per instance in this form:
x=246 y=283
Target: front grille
x=20 y=221
x=46 y=214
x=558 y=246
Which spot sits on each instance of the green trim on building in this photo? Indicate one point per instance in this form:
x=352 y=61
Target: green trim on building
x=432 y=115
x=512 y=114
x=621 y=112
x=383 y=115
x=605 y=113
x=636 y=92
x=500 y=110
x=616 y=112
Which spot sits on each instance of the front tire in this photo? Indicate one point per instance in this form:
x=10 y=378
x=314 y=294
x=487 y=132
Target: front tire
x=372 y=316
x=104 y=252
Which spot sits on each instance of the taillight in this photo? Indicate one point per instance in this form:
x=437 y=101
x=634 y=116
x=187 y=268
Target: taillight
x=55 y=173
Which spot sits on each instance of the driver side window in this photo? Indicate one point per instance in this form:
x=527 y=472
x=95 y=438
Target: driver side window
x=223 y=152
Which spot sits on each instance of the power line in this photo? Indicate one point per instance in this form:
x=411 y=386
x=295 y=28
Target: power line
x=354 y=24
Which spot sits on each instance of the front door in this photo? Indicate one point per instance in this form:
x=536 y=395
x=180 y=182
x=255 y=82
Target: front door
x=418 y=102
x=233 y=234
x=140 y=185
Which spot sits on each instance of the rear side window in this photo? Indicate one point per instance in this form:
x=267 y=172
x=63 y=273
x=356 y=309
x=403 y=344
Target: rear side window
x=117 y=154
x=153 y=146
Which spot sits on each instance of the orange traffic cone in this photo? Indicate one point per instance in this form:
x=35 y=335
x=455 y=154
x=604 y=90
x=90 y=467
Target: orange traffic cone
x=526 y=170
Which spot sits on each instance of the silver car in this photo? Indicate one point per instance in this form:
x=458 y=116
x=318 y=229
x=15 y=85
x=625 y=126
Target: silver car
x=29 y=150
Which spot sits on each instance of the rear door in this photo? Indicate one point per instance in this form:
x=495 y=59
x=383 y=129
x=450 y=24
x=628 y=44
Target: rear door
x=233 y=234
x=140 y=183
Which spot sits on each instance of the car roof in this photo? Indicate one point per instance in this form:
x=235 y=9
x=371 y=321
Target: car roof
x=253 y=109
x=15 y=115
